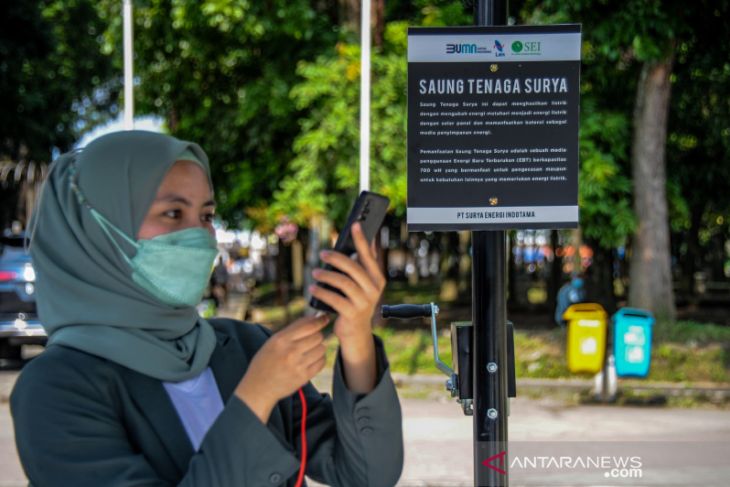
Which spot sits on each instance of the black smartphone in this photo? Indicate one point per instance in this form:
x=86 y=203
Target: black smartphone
x=369 y=209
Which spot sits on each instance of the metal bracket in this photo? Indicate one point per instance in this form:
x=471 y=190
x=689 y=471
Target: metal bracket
x=434 y=336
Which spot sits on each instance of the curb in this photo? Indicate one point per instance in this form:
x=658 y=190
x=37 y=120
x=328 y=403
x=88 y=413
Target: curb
x=717 y=391
x=676 y=389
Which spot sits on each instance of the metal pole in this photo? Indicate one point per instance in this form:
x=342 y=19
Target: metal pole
x=365 y=96
x=489 y=316
x=128 y=67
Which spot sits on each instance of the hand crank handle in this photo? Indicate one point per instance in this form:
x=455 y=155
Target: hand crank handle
x=406 y=311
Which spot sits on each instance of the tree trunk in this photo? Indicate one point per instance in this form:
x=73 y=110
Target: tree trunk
x=650 y=273
x=379 y=22
x=350 y=14
x=282 y=279
x=173 y=120
x=297 y=265
x=450 y=259
x=464 y=263
x=556 y=271
x=693 y=250
x=350 y=17
x=314 y=244
x=599 y=278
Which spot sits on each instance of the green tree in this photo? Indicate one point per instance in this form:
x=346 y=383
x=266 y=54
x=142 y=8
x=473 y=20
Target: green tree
x=325 y=169
x=699 y=140
x=641 y=36
x=55 y=83
x=220 y=73
x=54 y=78
x=606 y=215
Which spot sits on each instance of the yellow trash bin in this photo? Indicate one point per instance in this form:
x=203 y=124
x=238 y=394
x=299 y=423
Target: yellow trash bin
x=587 y=324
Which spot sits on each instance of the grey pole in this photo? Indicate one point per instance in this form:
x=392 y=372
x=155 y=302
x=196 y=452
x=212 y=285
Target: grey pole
x=128 y=21
x=489 y=316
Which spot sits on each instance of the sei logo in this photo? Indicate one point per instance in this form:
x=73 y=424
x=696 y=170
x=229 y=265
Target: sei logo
x=526 y=48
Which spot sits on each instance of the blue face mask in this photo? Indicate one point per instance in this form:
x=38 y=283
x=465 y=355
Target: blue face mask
x=174 y=267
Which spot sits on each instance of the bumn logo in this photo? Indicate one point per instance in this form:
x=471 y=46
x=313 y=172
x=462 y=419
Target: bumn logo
x=461 y=48
x=453 y=48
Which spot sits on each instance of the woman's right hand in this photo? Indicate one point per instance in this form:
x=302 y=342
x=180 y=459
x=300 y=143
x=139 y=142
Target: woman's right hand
x=286 y=361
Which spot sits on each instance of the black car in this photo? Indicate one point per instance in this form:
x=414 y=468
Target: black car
x=19 y=323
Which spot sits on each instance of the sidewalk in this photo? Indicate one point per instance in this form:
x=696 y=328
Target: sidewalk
x=438 y=440
x=438 y=437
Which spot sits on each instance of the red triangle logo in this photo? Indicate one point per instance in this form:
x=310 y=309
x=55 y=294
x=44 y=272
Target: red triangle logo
x=488 y=462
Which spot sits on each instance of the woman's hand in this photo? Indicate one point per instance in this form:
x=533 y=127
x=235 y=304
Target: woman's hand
x=287 y=361
x=361 y=282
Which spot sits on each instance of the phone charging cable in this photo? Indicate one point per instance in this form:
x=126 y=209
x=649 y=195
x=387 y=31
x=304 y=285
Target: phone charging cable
x=303 y=464
x=303 y=435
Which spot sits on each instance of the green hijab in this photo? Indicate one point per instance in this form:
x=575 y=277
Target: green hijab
x=86 y=297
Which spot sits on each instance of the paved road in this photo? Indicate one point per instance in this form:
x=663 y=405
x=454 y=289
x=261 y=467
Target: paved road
x=675 y=446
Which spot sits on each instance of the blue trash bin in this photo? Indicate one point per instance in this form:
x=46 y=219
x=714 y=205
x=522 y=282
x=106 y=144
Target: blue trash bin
x=632 y=341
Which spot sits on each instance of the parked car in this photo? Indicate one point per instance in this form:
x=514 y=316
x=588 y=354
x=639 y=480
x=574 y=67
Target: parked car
x=19 y=323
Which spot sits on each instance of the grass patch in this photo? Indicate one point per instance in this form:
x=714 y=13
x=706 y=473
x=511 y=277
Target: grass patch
x=411 y=351
x=403 y=293
x=685 y=351
x=275 y=316
x=629 y=397
x=541 y=354
x=676 y=362
x=691 y=332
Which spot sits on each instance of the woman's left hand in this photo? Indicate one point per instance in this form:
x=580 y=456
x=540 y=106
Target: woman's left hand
x=361 y=282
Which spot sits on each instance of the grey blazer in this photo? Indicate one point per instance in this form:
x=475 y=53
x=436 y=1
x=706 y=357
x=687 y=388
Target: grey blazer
x=81 y=420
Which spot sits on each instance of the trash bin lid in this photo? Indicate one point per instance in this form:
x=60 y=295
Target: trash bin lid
x=592 y=311
x=635 y=314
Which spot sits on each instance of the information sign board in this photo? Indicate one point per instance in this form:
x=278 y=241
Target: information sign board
x=493 y=127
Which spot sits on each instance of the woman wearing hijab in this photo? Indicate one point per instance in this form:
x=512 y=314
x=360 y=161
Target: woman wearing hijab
x=135 y=388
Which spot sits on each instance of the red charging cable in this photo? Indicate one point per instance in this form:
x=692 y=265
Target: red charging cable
x=303 y=465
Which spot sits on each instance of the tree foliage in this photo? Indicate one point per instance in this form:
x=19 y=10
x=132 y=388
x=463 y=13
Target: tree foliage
x=220 y=72
x=605 y=189
x=615 y=41
x=54 y=79
x=271 y=91
x=699 y=141
x=679 y=40
x=326 y=167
